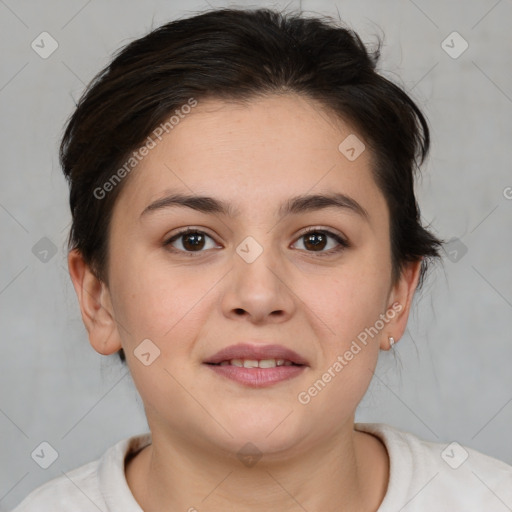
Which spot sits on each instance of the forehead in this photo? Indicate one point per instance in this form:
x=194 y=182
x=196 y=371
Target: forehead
x=268 y=147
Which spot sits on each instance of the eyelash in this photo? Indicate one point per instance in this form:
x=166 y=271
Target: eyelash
x=343 y=243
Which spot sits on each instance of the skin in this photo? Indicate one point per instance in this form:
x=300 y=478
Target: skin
x=254 y=156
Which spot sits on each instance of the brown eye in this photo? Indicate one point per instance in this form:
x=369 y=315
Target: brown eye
x=190 y=240
x=193 y=241
x=316 y=240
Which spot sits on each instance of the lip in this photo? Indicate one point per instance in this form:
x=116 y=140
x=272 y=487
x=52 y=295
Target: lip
x=258 y=352
x=257 y=377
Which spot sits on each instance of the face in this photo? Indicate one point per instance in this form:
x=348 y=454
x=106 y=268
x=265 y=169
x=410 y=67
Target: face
x=251 y=274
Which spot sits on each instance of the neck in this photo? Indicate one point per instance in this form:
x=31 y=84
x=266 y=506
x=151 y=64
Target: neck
x=347 y=472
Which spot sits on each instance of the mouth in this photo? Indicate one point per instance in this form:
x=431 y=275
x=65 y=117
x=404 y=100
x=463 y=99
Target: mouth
x=257 y=376
x=257 y=365
x=252 y=355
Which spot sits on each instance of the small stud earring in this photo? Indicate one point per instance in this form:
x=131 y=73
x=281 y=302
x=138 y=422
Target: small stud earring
x=391 y=342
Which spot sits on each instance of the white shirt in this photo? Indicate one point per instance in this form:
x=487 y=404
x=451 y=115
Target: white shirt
x=424 y=476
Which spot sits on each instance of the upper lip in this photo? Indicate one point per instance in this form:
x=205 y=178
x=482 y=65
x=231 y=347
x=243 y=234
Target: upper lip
x=258 y=352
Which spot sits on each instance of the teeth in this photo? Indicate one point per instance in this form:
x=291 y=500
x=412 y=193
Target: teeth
x=253 y=363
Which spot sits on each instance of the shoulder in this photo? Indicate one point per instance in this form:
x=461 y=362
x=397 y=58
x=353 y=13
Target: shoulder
x=74 y=490
x=427 y=475
x=91 y=486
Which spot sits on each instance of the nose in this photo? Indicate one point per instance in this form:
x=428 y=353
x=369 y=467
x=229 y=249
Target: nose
x=258 y=290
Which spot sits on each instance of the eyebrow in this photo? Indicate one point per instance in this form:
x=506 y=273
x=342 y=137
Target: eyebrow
x=294 y=205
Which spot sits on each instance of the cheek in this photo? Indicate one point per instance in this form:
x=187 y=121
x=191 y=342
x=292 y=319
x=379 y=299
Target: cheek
x=156 y=300
x=351 y=306
x=356 y=294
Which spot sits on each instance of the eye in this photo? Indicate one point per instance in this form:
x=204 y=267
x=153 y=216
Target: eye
x=315 y=240
x=191 y=240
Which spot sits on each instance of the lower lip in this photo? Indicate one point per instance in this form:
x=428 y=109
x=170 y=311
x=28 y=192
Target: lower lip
x=257 y=377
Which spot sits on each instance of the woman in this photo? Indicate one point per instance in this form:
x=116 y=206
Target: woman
x=246 y=236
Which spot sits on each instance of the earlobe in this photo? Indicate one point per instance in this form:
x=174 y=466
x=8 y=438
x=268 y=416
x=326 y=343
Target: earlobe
x=95 y=305
x=402 y=294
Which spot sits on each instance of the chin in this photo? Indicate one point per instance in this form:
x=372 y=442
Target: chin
x=269 y=433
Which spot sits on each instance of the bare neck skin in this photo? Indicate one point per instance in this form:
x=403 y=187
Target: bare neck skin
x=346 y=473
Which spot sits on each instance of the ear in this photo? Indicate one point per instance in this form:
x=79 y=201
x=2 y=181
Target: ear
x=400 y=300
x=95 y=305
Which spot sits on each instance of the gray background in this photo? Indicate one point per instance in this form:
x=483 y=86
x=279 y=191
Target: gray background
x=450 y=377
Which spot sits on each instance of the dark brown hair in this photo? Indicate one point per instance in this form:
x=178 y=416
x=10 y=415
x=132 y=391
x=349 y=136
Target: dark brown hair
x=237 y=55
